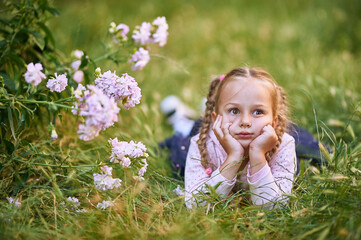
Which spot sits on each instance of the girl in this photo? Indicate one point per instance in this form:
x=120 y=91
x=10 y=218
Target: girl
x=242 y=141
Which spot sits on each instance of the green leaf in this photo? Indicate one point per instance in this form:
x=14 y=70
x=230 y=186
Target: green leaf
x=3 y=44
x=4 y=21
x=52 y=11
x=9 y=147
x=11 y=122
x=25 y=117
x=38 y=38
x=17 y=60
x=48 y=33
x=9 y=82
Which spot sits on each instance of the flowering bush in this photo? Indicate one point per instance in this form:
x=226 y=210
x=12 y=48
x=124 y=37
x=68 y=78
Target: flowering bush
x=37 y=85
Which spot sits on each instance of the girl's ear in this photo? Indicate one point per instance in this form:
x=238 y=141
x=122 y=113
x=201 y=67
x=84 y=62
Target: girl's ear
x=214 y=116
x=275 y=122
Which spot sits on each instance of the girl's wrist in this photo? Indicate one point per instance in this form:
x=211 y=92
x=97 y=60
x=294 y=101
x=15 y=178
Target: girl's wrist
x=235 y=157
x=257 y=160
x=255 y=151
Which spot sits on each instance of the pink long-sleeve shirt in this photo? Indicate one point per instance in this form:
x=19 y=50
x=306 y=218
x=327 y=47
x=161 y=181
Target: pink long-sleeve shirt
x=268 y=186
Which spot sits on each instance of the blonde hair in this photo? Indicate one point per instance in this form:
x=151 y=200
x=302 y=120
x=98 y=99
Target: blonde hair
x=279 y=106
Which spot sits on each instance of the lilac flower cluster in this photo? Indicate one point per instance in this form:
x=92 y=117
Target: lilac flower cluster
x=99 y=111
x=74 y=204
x=123 y=88
x=58 y=83
x=157 y=32
x=146 y=33
x=129 y=154
x=105 y=181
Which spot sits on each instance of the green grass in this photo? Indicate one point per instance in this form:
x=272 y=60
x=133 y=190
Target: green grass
x=312 y=50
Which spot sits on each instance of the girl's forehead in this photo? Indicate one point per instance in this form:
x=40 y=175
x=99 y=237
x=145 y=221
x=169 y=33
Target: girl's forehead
x=238 y=84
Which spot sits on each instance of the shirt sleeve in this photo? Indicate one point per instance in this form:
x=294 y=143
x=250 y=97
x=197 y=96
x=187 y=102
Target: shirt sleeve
x=198 y=182
x=272 y=183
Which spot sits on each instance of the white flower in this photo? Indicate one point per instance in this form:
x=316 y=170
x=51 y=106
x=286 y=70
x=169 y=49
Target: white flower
x=81 y=210
x=74 y=202
x=53 y=135
x=161 y=34
x=105 y=181
x=179 y=191
x=105 y=204
x=142 y=34
x=33 y=74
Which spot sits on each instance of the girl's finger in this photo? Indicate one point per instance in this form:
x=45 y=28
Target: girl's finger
x=217 y=127
x=216 y=123
x=225 y=128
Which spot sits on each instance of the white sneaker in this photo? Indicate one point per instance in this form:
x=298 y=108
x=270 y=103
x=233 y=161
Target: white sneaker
x=178 y=114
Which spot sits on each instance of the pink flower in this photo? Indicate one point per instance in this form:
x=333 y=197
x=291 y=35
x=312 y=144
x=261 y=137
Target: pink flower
x=142 y=34
x=119 y=32
x=142 y=170
x=76 y=64
x=107 y=170
x=124 y=153
x=78 y=76
x=78 y=53
x=33 y=74
x=140 y=59
x=99 y=111
x=123 y=30
x=161 y=34
x=14 y=202
x=58 y=83
x=105 y=181
x=87 y=133
x=208 y=171
x=124 y=88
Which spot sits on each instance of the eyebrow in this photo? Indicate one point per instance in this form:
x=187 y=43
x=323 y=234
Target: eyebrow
x=255 y=105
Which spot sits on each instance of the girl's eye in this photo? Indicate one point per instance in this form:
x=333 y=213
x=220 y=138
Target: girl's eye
x=234 y=111
x=258 y=112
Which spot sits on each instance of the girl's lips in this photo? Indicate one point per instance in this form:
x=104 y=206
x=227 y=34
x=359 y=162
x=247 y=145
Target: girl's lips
x=244 y=135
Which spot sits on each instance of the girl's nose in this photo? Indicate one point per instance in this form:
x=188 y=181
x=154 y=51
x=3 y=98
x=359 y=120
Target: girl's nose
x=245 y=121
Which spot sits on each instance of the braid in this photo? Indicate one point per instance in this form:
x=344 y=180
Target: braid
x=206 y=122
x=282 y=115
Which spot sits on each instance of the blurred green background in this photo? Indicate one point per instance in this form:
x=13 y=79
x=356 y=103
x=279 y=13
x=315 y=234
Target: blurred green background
x=312 y=48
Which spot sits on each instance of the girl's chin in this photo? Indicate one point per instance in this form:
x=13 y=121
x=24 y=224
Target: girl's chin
x=245 y=143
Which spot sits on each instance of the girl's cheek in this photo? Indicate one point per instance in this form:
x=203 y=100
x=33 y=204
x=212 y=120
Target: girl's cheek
x=228 y=118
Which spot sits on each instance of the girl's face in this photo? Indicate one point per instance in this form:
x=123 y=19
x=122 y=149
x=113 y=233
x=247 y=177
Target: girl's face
x=247 y=104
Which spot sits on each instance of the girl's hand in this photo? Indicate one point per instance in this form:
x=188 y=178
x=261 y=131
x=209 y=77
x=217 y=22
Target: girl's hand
x=232 y=147
x=265 y=142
